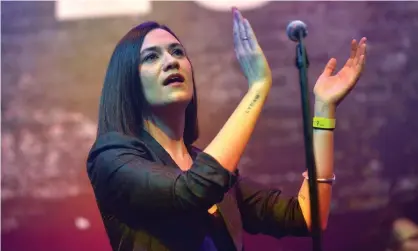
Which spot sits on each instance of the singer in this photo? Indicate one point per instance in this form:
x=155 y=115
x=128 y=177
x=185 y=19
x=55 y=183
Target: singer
x=154 y=190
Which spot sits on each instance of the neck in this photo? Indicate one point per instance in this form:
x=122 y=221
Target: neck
x=167 y=127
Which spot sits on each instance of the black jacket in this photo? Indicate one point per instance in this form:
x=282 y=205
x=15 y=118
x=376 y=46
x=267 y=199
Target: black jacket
x=148 y=203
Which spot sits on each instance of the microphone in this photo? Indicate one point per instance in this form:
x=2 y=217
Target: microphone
x=296 y=29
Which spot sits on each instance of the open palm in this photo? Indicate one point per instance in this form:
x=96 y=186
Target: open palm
x=250 y=56
x=333 y=88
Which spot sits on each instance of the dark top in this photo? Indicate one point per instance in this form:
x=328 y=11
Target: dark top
x=148 y=203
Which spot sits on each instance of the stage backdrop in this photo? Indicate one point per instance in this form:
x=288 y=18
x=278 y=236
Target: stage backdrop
x=54 y=57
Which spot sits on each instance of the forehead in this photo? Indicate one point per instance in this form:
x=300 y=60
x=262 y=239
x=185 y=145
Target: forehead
x=158 y=37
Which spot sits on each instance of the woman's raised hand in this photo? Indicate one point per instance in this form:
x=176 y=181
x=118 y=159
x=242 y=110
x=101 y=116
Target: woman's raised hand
x=249 y=54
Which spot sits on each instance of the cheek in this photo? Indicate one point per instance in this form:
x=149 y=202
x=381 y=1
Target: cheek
x=188 y=69
x=149 y=83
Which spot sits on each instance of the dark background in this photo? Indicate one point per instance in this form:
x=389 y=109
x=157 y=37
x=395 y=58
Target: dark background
x=52 y=73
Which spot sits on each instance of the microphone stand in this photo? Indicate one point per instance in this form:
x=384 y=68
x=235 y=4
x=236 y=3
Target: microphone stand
x=302 y=63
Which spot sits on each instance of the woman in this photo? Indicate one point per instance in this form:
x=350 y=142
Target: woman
x=155 y=191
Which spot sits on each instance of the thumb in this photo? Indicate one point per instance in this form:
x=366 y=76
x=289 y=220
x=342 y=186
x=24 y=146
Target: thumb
x=330 y=67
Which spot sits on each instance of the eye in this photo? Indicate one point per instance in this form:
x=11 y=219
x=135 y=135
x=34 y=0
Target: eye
x=178 y=52
x=150 y=57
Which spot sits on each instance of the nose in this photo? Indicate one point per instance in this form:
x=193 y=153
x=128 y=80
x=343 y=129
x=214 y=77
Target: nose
x=170 y=63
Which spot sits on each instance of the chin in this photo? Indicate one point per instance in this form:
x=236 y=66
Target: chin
x=180 y=101
x=180 y=97
x=174 y=100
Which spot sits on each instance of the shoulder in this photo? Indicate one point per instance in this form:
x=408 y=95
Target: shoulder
x=116 y=140
x=111 y=144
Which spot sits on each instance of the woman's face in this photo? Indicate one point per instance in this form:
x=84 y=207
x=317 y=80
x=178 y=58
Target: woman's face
x=166 y=73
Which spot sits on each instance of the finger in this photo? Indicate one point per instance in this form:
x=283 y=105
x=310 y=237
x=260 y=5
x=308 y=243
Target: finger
x=238 y=46
x=361 y=63
x=242 y=31
x=360 y=50
x=359 y=68
x=330 y=67
x=353 y=52
x=252 y=40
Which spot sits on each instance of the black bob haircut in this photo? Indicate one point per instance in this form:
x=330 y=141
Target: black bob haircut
x=122 y=103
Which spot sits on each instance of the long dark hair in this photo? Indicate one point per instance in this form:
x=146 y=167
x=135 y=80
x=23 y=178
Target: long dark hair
x=122 y=103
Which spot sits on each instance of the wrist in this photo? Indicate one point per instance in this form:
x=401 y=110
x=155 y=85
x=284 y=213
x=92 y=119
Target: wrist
x=324 y=110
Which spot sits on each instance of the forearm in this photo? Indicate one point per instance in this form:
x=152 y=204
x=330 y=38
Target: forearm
x=323 y=141
x=229 y=144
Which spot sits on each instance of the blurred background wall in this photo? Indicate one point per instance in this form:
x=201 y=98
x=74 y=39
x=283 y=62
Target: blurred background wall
x=54 y=56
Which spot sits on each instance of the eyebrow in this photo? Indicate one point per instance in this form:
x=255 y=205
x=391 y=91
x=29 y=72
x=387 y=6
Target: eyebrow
x=155 y=48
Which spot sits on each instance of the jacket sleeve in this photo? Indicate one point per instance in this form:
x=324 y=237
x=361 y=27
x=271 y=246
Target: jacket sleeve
x=264 y=210
x=127 y=183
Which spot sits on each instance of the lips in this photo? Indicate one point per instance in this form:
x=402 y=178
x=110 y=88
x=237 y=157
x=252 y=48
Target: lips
x=173 y=78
